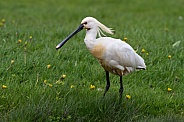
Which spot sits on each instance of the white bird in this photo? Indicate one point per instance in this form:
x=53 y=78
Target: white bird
x=114 y=55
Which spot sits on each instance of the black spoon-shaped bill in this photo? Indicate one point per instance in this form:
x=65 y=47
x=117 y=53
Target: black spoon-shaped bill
x=70 y=36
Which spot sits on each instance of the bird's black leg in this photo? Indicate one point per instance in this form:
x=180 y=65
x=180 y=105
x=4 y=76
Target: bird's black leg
x=121 y=87
x=108 y=82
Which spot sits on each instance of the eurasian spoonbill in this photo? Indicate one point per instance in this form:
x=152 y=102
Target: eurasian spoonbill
x=114 y=55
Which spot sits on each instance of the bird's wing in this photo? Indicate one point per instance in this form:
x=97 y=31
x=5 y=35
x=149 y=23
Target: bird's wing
x=124 y=55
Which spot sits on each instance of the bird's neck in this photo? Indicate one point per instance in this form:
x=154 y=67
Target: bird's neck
x=90 y=38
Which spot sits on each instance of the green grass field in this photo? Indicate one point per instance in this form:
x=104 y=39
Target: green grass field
x=31 y=84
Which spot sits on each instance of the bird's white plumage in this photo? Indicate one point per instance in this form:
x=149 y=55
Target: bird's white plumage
x=115 y=55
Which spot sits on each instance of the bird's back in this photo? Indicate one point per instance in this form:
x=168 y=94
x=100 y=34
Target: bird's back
x=117 y=56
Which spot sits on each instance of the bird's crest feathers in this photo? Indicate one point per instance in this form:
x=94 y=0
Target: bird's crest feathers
x=103 y=28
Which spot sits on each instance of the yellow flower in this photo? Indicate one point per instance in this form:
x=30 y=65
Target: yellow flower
x=4 y=87
x=169 y=56
x=30 y=37
x=63 y=76
x=169 y=89
x=92 y=87
x=12 y=61
x=143 y=50
x=19 y=41
x=50 y=84
x=1 y=24
x=45 y=81
x=48 y=66
x=125 y=39
x=72 y=86
x=3 y=20
x=147 y=53
x=128 y=96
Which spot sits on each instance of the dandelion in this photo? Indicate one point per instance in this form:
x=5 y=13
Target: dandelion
x=147 y=53
x=4 y=87
x=45 y=81
x=128 y=96
x=3 y=20
x=48 y=66
x=50 y=84
x=1 y=24
x=19 y=41
x=169 y=56
x=169 y=89
x=125 y=39
x=30 y=37
x=92 y=87
x=72 y=86
x=143 y=50
x=12 y=61
x=63 y=76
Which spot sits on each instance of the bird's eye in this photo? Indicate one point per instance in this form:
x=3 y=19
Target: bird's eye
x=85 y=23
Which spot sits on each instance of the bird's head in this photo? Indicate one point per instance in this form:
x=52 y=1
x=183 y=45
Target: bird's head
x=91 y=23
x=88 y=23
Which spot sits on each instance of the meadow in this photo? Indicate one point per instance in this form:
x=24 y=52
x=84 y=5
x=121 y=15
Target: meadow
x=39 y=83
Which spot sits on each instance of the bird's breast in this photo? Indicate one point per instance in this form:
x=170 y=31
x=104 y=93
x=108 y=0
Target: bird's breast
x=98 y=51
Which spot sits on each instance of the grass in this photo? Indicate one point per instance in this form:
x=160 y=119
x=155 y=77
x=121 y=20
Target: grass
x=154 y=26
